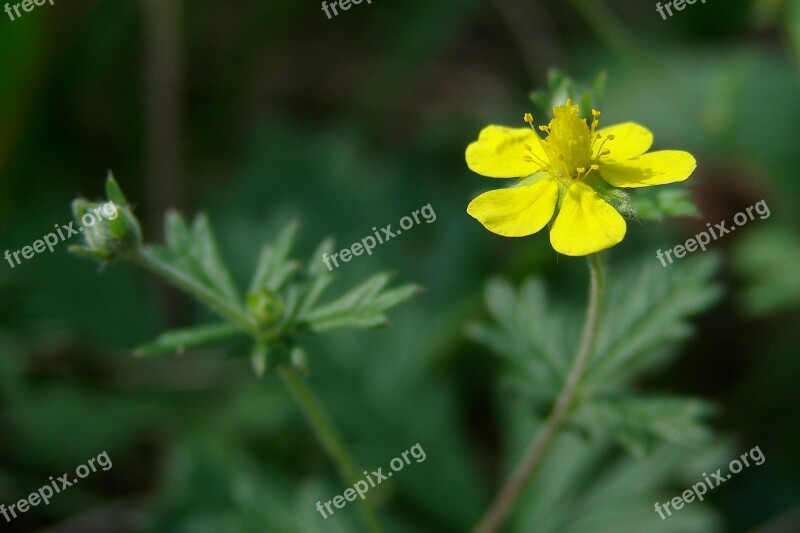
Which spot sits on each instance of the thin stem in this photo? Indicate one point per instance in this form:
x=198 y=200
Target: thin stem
x=323 y=428
x=522 y=474
x=148 y=260
x=328 y=436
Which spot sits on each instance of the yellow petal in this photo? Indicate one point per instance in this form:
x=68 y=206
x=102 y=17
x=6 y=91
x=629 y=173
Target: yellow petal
x=585 y=224
x=655 y=168
x=517 y=211
x=631 y=140
x=500 y=152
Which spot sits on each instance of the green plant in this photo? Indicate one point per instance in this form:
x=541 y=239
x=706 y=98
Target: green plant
x=282 y=302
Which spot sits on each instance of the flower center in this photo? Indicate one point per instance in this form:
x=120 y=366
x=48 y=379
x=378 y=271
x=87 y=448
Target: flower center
x=571 y=144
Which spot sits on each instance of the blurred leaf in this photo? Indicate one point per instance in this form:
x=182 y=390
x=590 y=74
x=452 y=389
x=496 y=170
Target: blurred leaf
x=560 y=87
x=361 y=307
x=528 y=332
x=274 y=267
x=195 y=253
x=647 y=314
x=581 y=487
x=658 y=203
x=639 y=424
x=178 y=340
x=766 y=259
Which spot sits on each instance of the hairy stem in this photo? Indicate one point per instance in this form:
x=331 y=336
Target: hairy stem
x=323 y=428
x=328 y=436
x=522 y=474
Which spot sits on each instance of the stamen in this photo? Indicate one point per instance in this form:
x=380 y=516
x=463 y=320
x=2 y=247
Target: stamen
x=600 y=150
x=527 y=117
x=592 y=168
x=535 y=157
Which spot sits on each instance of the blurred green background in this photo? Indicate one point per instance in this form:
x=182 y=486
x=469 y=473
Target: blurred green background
x=258 y=112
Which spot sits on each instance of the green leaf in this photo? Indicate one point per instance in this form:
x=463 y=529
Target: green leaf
x=195 y=253
x=274 y=267
x=528 y=333
x=766 y=260
x=361 y=307
x=658 y=203
x=639 y=424
x=178 y=340
x=644 y=320
x=114 y=192
x=206 y=253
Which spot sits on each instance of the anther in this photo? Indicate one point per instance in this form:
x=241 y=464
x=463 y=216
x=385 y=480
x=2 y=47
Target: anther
x=528 y=118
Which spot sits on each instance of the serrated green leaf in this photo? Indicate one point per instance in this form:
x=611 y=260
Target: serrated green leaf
x=274 y=267
x=205 y=251
x=639 y=424
x=644 y=320
x=361 y=307
x=195 y=253
x=529 y=334
x=178 y=340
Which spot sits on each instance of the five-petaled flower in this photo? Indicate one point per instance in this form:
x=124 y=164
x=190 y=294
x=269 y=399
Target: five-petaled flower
x=561 y=178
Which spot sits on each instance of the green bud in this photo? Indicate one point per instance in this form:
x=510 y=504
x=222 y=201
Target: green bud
x=110 y=228
x=265 y=306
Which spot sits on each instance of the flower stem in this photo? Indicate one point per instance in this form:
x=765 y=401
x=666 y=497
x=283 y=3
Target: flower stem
x=144 y=257
x=323 y=428
x=328 y=436
x=522 y=474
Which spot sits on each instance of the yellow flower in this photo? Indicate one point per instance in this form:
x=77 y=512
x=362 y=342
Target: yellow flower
x=561 y=174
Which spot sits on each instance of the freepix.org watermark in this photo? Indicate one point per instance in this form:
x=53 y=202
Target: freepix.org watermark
x=716 y=479
x=55 y=486
x=108 y=211
x=679 y=5
x=703 y=239
x=369 y=242
x=344 y=5
x=26 y=5
x=372 y=480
